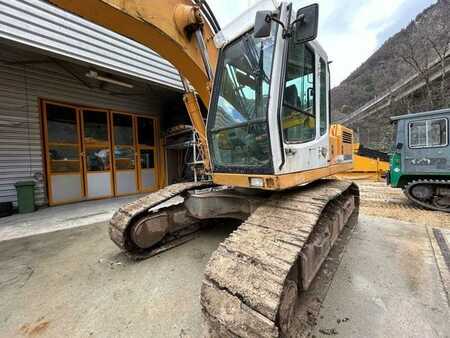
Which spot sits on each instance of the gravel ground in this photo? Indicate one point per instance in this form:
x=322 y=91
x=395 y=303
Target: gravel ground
x=379 y=200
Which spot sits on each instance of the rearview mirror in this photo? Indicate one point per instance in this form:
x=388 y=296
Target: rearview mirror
x=263 y=24
x=307 y=23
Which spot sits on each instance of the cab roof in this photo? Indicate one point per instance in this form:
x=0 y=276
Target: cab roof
x=245 y=22
x=423 y=114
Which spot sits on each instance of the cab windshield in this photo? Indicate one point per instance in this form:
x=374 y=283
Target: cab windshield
x=238 y=116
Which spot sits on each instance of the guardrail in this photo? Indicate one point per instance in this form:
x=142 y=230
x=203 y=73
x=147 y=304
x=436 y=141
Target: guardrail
x=397 y=91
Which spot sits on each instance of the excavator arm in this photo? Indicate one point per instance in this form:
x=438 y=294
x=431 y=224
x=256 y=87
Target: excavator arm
x=175 y=29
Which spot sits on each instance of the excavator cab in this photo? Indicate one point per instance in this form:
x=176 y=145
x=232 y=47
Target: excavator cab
x=269 y=110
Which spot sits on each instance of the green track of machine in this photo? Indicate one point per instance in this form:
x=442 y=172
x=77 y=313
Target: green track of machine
x=420 y=164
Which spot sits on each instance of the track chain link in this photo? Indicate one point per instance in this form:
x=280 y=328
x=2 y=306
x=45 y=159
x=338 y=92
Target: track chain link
x=247 y=277
x=407 y=191
x=124 y=218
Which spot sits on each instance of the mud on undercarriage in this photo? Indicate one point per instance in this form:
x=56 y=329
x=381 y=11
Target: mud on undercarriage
x=256 y=276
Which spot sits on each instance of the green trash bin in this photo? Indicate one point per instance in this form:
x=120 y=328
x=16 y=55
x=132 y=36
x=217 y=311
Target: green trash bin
x=25 y=196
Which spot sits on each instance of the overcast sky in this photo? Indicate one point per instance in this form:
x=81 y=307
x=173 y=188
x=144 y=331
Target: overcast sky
x=350 y=30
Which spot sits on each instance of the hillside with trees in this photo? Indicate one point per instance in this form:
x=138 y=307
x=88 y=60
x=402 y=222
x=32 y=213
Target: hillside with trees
x=410 y=51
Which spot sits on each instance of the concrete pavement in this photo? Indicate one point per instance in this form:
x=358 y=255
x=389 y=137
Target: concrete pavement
x=60 y=217
x=75 y=283
x=387 y=285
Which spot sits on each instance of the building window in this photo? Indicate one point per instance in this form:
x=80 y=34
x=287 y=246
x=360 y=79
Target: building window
x=124 y=148
x=299 y=119
x=96 y=153
x=428 y=133
x=63 y=139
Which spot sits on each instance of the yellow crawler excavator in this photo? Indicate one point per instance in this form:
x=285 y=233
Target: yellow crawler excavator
x=268 y=146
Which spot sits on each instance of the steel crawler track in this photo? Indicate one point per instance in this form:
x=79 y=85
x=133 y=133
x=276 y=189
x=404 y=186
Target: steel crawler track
x=122 y=220
x=408 y=191
x=254 y=278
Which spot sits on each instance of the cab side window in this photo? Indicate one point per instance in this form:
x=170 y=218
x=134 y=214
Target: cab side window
x=298 y=112
x=428 y=133
x=323 y=97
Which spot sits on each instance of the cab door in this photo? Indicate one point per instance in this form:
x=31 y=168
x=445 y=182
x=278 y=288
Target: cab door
x=427 y=149
x=304 y=112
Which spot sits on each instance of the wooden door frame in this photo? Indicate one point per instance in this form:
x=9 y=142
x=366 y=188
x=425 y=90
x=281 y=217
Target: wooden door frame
x=115 y=170
x=161 y=157
x=157 y=148
x=155 y=154
x=85 y=176
x=48 y=171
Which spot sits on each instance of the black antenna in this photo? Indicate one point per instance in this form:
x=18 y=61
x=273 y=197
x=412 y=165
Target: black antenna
x=209 y=15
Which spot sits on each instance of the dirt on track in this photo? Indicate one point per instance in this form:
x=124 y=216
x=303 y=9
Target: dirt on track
x=377 y=199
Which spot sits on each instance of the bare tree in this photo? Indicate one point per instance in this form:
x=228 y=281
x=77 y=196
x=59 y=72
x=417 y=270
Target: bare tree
x=413 y=51
x=439 y=41
x=427 y=45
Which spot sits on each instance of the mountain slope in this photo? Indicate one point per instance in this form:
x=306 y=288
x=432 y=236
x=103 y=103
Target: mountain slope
x=420 y=42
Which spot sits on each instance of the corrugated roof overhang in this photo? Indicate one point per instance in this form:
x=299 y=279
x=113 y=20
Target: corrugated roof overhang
x=41 y=25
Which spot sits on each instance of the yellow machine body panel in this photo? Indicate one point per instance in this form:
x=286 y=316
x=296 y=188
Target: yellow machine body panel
x=339 y=162
x=365 y=168
x=280 y=182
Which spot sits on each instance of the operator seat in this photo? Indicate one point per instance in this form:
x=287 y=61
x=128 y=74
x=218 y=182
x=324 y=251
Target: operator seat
x=291 y=97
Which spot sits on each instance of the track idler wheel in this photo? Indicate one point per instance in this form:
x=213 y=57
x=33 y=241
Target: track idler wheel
x=430 y=194
x=149 y=231
x=288 y=302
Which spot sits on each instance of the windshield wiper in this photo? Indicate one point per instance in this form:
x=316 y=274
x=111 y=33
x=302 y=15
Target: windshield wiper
x=255 y=59
x=256 y=63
